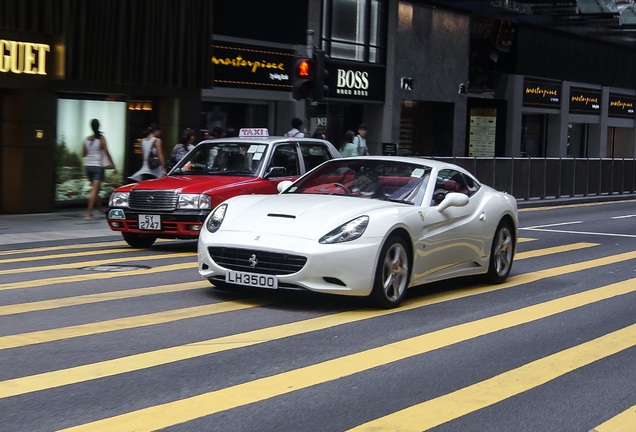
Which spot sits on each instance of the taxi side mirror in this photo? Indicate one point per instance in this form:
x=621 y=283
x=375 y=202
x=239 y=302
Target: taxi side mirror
x=275 y=172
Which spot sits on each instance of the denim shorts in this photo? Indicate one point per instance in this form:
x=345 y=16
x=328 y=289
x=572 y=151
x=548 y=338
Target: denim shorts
x=95 y=173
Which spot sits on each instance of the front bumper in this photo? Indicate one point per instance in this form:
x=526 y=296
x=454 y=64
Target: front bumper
x=344 y=268
x=184 y=224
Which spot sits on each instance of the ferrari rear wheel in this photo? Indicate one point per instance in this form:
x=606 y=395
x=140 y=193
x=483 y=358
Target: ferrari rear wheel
x=502 y=254
x=138 y=241
x=392 y=273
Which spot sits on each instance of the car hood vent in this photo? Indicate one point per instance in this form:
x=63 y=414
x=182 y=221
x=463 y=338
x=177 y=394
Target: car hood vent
x=287 y=216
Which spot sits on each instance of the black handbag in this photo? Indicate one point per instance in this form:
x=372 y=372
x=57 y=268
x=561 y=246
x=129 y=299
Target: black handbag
x=153 y=159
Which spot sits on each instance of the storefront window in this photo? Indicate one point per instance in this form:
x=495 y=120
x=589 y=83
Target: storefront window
x=73 y=126
x=533 y=135
x=355 y=30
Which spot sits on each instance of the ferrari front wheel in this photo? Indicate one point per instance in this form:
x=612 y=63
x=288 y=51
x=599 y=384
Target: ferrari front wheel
x=391 y=274
x=501 y=254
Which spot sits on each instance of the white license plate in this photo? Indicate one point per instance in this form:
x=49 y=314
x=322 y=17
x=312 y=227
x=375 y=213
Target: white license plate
x=149 y=222
x=251 y=279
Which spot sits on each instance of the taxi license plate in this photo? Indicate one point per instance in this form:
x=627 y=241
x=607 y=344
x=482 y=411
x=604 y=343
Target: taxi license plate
x=251 y=279
x=149 y=222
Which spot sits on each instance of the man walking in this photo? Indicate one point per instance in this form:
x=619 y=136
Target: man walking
x=361 y=142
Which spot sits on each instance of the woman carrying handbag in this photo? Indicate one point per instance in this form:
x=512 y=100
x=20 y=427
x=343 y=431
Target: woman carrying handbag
x=96 y=160
x=153 y=165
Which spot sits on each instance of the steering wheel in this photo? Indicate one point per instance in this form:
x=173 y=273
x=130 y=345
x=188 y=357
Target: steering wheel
x=341 y=186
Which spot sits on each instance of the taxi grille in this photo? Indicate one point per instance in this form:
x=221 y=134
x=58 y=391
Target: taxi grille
x=266 y=262
x=158 y=200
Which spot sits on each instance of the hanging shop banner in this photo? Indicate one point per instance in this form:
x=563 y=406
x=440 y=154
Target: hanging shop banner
x=483 y=129
x=621 y=106
x=30 y=55
x=541 y=93
x=252 y=67
x=585 y=101
x=354 y=81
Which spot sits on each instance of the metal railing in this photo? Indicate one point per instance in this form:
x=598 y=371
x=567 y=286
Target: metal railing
x=552 y=178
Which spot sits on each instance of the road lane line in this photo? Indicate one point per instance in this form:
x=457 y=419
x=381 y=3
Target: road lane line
x=169 y=355
x=100 y=297
x=547 y=208
x=65 y=255
x=54 y=248
x=180 y=411
x=624 y=422
x=37 y=283
x=623 y=217
x=525 y=239
x=549 y=251
x=469 y=399
x=581 y=232
x=43 y=336
x=81 y=264
x=551 y=225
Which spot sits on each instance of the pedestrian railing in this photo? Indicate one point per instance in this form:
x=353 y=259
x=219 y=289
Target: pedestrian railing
x=552 y=178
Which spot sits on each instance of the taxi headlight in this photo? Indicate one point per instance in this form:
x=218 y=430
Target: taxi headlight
x=194 y=201
x=118 y=199
x=347 y=232
x=216 y=218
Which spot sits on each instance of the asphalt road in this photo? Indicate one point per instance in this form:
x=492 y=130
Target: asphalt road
x=101 y=337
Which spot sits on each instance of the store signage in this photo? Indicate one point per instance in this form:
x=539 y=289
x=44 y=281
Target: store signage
x=362 y=82
x=621 y=106
x=541 y=93
x=585 y=101
x=253 y=67
x=18 y=57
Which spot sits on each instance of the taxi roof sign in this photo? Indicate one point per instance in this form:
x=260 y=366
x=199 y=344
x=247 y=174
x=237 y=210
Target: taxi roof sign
x=254 y=133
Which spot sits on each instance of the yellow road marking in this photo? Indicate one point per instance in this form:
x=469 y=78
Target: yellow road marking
x=64 y=255
x=557 y=249
x=525 y=239
x=96 y=298
x=53 y=248
x=180 y=411
x=93 y=276
x=155 y=358
x=24 y=339
x=445 y=408
x=624 y=422
x=81 y=264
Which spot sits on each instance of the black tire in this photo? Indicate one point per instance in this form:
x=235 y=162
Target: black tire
x=138 y=240
x=501 y=254
x=391 y=274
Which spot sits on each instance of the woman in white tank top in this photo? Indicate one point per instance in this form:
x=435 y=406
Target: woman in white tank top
x=151 y=141
x=93 y=150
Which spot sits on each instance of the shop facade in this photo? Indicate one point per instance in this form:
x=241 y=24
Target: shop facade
x=57 y=75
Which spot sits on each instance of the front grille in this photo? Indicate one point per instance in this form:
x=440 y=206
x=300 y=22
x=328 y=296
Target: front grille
x=266 y=262
x=149 y=200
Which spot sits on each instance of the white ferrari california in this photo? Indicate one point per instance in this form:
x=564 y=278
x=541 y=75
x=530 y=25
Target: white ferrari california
x=363 y=226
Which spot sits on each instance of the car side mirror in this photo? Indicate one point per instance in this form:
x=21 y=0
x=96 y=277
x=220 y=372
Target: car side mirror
x=453 y=199
x=275 y=172
x=284 y=185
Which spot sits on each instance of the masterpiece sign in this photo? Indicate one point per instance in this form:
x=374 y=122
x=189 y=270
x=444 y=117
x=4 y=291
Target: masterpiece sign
x=585 y=101
x=248 y=66
x=541 y=93
x=363 y=82
x=621 y=106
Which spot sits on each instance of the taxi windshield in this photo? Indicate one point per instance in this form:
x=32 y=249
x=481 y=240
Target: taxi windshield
x=227 y=158
x=366 y=178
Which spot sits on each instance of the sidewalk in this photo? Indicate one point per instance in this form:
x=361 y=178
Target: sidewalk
x=60 y=228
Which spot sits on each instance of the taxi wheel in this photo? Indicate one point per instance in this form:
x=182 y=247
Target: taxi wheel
x=392 y=273
x=138 y=241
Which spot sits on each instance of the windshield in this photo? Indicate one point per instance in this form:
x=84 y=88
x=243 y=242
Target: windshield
x=225 y=158
x=377 y=179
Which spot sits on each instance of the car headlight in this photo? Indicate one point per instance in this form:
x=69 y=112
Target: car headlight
x=118 y=199
x=194 y=201
x=347 y=232
x=216 y=218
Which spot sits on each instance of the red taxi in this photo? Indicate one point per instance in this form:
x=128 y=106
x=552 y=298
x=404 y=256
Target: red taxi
x=176 y=205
